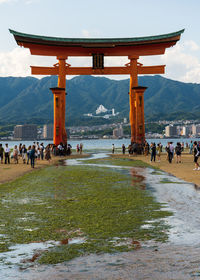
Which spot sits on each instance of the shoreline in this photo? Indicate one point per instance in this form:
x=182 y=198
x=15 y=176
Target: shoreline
x=12 y=171
x=183 y=170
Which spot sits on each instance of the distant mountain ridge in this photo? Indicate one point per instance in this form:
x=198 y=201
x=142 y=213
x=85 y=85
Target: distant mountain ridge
x=29 y=99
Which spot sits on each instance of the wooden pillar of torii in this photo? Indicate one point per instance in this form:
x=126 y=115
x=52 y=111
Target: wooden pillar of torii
x=60 y=134
x=136 y=102
x=98 y=48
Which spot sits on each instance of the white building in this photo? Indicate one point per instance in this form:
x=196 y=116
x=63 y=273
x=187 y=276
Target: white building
x=195 y=129
x=170 y=131
x=118 y=132
x=185 y=131
x=101 y=109
x=48 y=131
x=113 y=112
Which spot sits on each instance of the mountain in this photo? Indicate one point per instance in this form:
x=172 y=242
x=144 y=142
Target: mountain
x=29 y=100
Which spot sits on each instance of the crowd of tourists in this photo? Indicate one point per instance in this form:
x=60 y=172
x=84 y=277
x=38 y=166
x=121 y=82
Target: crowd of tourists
x=172 y=151
x=32 y=153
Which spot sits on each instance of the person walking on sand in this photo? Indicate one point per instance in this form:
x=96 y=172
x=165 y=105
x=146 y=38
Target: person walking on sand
x=48 y=153
x=196 y=156
x=15 y=154
x=158 y=151
x=153 y=152
x=42 y=151
x=24 y=152
x=171 y=152
x=38 y=151
x=178 y=150
x=1 y=153
x=7 y=154
x=20 y=149
x=146 y=149
x=32 y=156
x=28 y=154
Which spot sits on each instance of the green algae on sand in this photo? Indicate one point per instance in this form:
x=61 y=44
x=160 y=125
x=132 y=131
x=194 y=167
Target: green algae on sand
x=100 y=205
x=120 y=162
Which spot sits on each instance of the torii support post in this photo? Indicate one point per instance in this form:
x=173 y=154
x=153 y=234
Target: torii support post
x=59 y=123
x=132 y=101
x=139 y=112
x=62 y=84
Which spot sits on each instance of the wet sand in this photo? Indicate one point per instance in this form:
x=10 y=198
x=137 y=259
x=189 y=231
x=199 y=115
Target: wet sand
x=10 y=172
x=167 y=262
x=183 y=170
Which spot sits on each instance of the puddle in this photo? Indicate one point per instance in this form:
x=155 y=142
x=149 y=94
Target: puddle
x=22 y=256
x=80 y=161
x=183 y=200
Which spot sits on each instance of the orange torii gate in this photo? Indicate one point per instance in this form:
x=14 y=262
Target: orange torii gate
x=132 y=48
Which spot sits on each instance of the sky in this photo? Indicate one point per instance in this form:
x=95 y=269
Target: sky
x=102 y=19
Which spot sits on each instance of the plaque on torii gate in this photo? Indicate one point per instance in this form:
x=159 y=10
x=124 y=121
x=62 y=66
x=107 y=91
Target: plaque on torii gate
x=133 y=48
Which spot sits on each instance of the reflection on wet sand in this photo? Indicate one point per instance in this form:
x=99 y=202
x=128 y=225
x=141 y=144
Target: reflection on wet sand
x=137 y=178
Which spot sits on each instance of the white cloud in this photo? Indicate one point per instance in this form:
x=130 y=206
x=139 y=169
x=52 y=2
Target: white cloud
x=182 y=62
x=17 y=62
x=192 y=45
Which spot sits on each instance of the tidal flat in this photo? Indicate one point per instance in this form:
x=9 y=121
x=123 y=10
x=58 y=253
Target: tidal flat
x=81 y=210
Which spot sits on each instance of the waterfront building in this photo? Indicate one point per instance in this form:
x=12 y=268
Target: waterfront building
x=118 y=132
x=185 y=131
x=48 y=131
x=170 y=131
x=195 y=129
x=25 y=132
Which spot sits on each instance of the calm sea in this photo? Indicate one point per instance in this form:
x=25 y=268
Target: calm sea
x=102 y=144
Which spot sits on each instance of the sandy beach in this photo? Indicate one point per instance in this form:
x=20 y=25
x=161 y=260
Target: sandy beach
x=183 y=170
x=10 y=172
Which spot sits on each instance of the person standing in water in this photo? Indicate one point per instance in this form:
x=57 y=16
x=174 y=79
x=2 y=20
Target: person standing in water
x=123 y=149
x=113 y=148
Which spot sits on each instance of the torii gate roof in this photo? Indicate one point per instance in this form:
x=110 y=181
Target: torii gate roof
x=55 y=46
